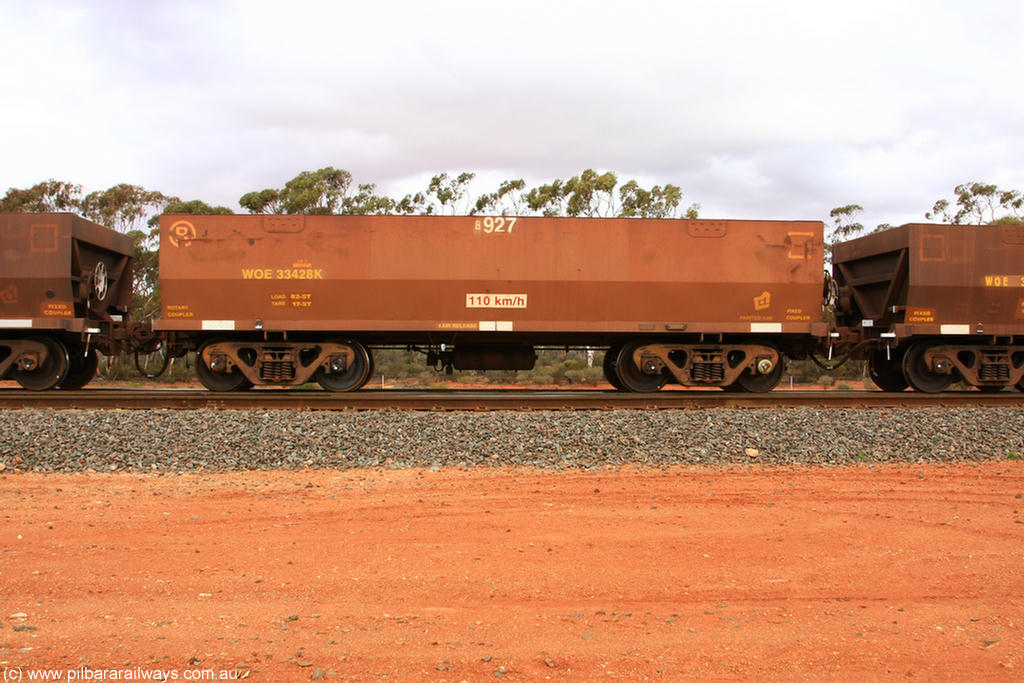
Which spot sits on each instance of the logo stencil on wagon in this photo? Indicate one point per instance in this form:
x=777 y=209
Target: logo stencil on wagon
x=181 y=234
x=763 y=301
x=9 y=295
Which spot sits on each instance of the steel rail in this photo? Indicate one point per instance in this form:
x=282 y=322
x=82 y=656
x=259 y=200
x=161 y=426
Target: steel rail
x=482 y=400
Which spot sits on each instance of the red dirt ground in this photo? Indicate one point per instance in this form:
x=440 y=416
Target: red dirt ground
x=743 y=574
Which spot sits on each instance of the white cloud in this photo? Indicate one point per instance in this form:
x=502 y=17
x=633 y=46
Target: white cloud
x=756 y=109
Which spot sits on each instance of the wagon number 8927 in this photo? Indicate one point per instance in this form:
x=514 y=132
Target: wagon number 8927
x=495 y=225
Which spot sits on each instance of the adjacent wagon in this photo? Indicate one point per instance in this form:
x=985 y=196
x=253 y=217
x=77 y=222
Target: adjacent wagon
x=65 y=284
x=940 y=302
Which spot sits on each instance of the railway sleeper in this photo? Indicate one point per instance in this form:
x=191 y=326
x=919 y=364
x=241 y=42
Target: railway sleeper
x=986 y=367
x=703 y=365
x=276 y=363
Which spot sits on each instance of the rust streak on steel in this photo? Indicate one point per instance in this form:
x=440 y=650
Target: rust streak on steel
x=468 y=400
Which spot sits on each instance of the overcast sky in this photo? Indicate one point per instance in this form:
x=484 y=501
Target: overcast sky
x=781 y=109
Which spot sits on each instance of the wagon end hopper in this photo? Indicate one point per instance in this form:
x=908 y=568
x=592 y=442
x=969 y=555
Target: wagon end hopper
x=475 y=281
x=943 y=301
x=65 y=284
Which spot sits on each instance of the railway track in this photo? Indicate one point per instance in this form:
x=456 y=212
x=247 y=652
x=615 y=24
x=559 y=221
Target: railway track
x=481 y=400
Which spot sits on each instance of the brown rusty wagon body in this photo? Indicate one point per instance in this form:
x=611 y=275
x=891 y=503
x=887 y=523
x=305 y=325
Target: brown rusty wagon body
x=65 y=283
x=283 y=299
x=943 y=301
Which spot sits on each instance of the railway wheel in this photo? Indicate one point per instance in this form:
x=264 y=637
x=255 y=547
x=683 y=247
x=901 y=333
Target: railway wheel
x=215 y=380
x=887 y=372
x=634 y=378
x=611 y=359
x=755 y=382
x=919 y=375
x=350 y=378
x=50 y=372
x=372 y=369
x=82 y=368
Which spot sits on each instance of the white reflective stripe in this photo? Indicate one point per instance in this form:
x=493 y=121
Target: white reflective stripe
x=93 y=330
x=504 y=326
x=888 y=335
x=766 y=327
x=867 y=323
x=488 y=326
x=955 y=329
x=13 y=323
x=218 y=324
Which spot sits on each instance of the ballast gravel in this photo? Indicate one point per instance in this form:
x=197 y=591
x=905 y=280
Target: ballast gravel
x=174 y=440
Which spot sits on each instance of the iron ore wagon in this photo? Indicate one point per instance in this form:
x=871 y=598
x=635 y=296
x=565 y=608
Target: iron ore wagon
x=282 y=300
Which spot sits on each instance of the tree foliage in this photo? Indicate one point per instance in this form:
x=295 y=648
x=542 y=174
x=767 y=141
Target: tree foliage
x=978 y=204
x=843 y=217
x=262 y=201
x=588 y=194
x=412 y=204
x=146 y=287
x=324 y=191
x=366 y=201
x=124 y=207
x=507 y=200
x=445 y=195
x=658 y=202
x=547 y=199
x=331 y=190
x=316 y=192
x=591 y=193
x=193 y=206
x=44 y=197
